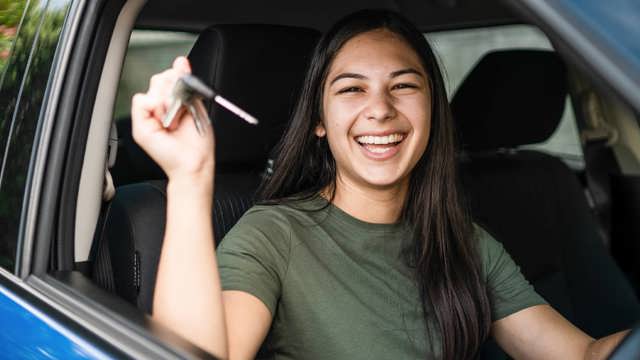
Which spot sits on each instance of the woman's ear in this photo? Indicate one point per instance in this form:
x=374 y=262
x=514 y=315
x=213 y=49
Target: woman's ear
x=320 y=130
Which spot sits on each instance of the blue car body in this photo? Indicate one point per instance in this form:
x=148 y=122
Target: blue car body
x=27 y=332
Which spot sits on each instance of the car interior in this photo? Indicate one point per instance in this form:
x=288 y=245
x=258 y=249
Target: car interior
x=568 y=220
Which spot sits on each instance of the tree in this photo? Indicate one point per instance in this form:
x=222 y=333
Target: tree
x=10 y=13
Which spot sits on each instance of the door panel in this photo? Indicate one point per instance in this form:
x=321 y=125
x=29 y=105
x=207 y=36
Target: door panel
x=28 y=333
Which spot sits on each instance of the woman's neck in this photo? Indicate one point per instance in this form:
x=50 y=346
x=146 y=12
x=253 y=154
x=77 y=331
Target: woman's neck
x=374 y=205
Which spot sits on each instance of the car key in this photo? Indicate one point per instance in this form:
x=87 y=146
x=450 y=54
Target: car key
x=188 y=93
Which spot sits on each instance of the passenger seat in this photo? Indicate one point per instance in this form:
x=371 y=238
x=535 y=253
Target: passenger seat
x=261 y=69
x=531 y=201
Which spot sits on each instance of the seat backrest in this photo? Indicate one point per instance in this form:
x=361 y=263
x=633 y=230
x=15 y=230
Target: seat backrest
x=261 y=69
x=531 y=201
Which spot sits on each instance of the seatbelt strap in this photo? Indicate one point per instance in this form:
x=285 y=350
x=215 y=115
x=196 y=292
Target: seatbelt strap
x=597 y=137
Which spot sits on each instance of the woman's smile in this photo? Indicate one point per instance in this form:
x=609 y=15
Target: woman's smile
x=380 y=147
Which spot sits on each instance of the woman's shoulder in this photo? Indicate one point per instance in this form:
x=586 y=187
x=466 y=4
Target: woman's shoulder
x=276 y=217
x=265 y=217
x=483 y=237
x=489 y=249
x=285 y=210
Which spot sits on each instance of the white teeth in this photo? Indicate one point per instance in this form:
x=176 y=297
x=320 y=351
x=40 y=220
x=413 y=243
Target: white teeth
x=368 y=139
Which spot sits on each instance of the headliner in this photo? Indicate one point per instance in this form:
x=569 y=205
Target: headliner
x=429 y=15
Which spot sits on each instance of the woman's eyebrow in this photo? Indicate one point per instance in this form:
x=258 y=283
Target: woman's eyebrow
x=349 y=75
x=346 y=76
x=406 y=71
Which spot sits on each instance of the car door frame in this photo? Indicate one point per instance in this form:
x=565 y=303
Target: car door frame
x=586 y=43
x=45 y=280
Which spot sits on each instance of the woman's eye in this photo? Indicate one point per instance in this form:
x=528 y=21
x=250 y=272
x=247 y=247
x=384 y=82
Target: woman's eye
x=404 y=86
x=349 y=89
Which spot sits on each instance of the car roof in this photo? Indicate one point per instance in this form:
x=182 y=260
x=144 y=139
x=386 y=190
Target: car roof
x=428 y=15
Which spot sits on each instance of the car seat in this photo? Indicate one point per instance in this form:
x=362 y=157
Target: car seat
x=531 y=201
x=261 y=69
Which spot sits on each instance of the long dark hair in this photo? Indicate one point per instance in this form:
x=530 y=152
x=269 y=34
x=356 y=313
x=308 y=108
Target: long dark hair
x=444 y=253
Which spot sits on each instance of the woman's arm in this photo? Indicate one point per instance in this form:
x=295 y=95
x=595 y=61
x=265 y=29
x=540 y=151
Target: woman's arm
x=603 y=347
x=188 y=297
x=540 y=332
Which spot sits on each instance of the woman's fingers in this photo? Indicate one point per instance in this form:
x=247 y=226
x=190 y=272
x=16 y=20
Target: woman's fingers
x=179 y=118
x=162 y=83
x=161 y=86
x=178 y=149
x=146 y=112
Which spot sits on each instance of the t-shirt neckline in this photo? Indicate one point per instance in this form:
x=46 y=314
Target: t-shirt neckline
x=345 y=218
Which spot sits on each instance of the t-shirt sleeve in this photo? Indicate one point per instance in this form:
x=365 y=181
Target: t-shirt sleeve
x=254 y=255
x=509 y=291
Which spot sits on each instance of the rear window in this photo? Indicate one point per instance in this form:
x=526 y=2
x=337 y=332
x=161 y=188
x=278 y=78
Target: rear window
x=459 y=50
x=149 y=52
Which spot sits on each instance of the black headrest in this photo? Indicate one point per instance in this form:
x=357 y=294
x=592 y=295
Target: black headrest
x=260 y=68
x=510 y=98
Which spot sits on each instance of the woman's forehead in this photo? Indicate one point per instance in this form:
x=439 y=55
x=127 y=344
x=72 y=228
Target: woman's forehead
x=376 y=50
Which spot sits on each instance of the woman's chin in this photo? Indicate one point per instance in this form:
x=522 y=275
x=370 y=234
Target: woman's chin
x=384 y=182
x=375 y=177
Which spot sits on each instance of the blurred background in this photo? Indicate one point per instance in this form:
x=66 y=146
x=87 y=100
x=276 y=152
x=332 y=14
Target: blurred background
x=10 y=13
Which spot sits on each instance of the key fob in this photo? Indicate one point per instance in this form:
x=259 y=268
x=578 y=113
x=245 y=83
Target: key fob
x=187 y=90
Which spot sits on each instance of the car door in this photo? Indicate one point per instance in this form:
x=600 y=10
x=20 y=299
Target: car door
x=30 y=328
x=49 y=73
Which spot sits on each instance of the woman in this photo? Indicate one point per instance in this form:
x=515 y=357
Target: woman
x=361 y=248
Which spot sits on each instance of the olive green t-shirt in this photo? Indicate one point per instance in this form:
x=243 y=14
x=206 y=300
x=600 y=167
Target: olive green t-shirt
x=340 y=288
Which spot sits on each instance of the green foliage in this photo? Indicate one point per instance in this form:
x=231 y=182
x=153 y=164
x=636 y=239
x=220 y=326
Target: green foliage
x=27 y=115
x=10 y=13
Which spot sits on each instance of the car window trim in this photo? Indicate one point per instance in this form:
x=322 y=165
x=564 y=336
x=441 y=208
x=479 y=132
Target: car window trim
x=564 y=33
x=43 y=134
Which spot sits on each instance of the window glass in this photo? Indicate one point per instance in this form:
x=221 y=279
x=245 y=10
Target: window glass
x=459 y=50
x=11 y=12
x=149 y=52
x=22 y=91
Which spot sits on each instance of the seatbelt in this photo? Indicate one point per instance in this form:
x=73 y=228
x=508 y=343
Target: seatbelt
x=112 y=152
x=597 y=137
x=597 y=128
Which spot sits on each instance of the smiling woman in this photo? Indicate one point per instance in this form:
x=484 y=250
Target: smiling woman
x=361 y=247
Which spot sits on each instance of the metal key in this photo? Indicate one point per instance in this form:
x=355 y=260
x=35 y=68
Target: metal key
x=188 y=93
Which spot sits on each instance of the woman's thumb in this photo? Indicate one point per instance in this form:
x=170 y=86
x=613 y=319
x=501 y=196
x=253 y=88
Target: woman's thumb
x=182 y=64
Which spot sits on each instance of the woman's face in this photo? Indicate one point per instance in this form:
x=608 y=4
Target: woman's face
x=376 y=110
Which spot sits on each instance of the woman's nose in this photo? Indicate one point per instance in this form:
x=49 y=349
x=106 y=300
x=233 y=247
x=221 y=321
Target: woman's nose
x=380 y=107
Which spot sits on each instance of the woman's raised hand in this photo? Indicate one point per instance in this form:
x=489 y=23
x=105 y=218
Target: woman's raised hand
x=180 y=150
